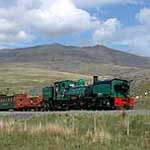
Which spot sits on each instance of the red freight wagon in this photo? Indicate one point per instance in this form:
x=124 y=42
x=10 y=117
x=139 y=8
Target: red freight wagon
x=35 y=102
x=20 y=101
x=23 y=102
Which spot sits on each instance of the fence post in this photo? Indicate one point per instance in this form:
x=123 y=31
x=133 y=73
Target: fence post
x=73 y=125
x=25 y=125
x=128 y=127
x=94 y=124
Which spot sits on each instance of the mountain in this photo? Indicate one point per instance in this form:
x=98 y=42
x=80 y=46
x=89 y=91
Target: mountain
x=71 y=57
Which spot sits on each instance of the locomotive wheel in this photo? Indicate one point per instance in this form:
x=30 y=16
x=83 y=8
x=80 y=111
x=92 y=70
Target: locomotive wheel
x=65 y=107
x=129 y=107
x=107 y=104
x=46 y=107
x=119 y=108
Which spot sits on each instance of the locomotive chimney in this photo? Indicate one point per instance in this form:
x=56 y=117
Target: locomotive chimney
x=95 y=79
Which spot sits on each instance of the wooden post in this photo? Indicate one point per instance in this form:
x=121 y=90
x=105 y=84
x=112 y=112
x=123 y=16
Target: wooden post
x=40 y=126
x=73 y=125
x=25 y=125
x=128 y=127
x=94 y=124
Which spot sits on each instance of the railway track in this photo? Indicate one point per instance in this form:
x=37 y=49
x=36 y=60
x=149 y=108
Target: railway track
x=28 y=115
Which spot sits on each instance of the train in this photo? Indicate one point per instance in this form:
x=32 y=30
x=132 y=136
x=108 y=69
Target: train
x=64 y=95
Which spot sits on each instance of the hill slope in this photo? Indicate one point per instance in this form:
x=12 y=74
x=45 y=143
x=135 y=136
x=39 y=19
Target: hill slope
x=72 y=58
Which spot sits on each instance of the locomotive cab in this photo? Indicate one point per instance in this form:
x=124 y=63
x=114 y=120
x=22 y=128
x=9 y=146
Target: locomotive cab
x=121 y=94
x=113 y=93
x=120 y=88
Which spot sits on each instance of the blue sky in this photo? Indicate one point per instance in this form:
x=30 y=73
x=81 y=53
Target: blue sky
x=119 y=24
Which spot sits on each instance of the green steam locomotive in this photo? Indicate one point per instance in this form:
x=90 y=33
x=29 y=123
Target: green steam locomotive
x=106 y=95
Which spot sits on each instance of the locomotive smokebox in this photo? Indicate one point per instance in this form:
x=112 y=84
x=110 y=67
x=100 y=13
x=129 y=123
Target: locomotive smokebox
x=95 y=79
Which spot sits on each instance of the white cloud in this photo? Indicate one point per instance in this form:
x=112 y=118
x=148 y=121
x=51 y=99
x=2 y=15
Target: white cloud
x=6 y=39
x=144 y=16
x=140 y=45
x=22 y=35
x=47 y=18
x=140 y=42
x=11 y=32
x=136 y=38
x=6 y=26
x=106 y=31
x=60 y=18
x=85 y=3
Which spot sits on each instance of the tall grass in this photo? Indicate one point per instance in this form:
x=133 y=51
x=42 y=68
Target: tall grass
x=76 y=132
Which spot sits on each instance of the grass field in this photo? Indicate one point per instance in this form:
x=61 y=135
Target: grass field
x=22 y=77
x=76 y=132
